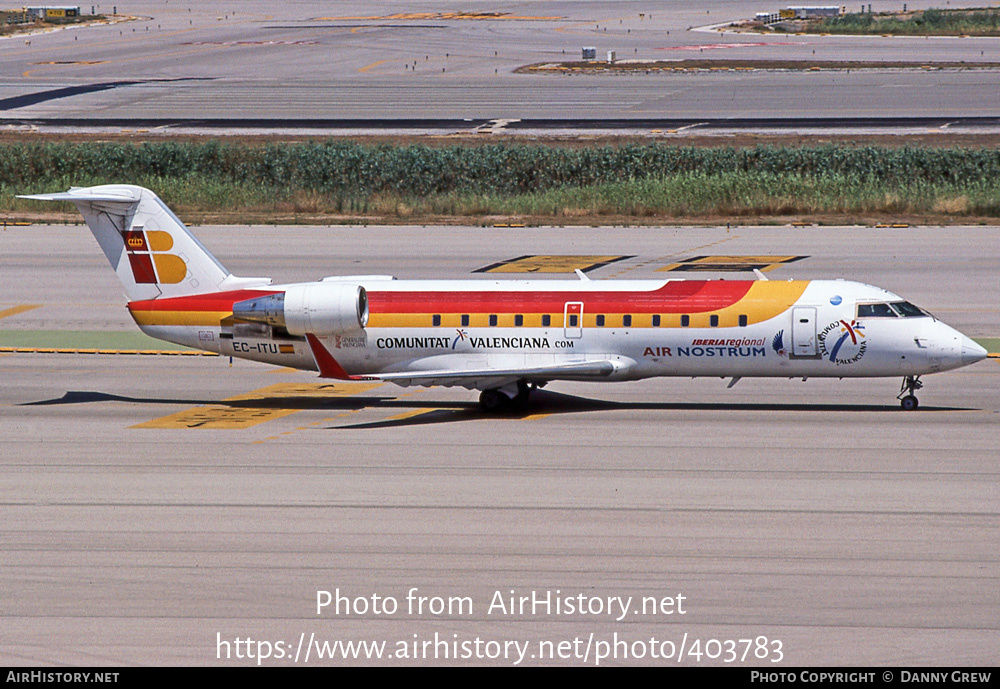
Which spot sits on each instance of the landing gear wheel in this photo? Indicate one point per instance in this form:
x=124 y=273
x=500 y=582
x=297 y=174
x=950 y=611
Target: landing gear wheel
x=520 y=400
x=492 y=401
x=906 y=398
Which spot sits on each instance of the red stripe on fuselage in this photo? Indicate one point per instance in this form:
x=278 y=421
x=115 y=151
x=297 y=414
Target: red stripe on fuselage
x=216 y=301
x=688 y=296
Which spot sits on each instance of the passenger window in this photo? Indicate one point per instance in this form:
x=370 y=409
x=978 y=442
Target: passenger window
x=743 y=321
x=436 y=320
x=573 y=320
x=493 y=319
x=656 y=321
x=546 y=320
x=465 y=320
x=518 y=320
x=713 y=321
x=600 y=321
x=685 y=321
x=627 y=321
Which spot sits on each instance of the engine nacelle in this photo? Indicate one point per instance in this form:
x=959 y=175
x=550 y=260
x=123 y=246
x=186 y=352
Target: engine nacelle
x=318 y=308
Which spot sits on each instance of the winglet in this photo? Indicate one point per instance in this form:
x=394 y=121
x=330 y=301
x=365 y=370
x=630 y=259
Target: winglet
x=328 y=366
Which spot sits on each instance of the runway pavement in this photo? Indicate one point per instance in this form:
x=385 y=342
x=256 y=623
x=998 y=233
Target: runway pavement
x=185 y=61
x=164 y=509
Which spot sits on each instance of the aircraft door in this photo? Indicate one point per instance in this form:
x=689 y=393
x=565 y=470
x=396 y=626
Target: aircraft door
x=573 y=319
x=804 y=343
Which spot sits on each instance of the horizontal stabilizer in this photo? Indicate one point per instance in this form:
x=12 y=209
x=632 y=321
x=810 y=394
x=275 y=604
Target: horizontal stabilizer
x=121 y=195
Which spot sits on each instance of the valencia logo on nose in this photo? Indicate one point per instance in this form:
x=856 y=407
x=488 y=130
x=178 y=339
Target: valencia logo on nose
x=842 y=352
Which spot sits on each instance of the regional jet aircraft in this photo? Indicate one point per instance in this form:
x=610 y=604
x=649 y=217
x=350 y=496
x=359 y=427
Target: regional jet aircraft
x=506 y=338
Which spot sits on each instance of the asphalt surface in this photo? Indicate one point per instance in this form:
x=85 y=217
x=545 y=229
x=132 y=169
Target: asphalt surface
x=185 y=62
x=148 y=517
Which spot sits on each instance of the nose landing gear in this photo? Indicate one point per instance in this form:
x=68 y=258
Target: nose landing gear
x=907 y=400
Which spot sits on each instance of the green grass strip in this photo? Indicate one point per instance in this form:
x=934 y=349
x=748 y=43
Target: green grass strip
x=83 y=339
x=932 y=22
x=992 y=344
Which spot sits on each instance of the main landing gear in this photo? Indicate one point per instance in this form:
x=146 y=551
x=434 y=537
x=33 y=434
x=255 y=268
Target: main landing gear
x=505 y=399
x=907 y=400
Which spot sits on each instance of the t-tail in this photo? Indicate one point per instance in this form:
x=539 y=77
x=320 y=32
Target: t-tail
x=150 y=249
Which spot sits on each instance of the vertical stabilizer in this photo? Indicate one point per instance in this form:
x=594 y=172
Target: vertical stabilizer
x=151 y=250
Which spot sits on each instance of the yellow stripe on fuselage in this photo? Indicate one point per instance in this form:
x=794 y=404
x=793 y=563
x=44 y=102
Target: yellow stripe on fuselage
x=765 y=300
x=213 y=318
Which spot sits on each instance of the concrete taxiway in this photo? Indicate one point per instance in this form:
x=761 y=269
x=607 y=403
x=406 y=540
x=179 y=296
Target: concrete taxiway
x=434 y=60
x=156 y=509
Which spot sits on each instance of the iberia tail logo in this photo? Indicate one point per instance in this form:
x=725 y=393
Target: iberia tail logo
x=149 y=258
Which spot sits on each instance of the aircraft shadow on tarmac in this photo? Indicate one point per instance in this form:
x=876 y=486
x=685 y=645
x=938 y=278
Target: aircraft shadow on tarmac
x=543 y=402
x=550 y=403
x=296 y=402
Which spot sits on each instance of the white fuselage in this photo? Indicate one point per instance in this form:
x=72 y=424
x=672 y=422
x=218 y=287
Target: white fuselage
x=645 y=328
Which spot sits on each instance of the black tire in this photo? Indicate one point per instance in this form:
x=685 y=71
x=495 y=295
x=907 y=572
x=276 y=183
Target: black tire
x=522 y=398
x=492 y=401
x=909 y=403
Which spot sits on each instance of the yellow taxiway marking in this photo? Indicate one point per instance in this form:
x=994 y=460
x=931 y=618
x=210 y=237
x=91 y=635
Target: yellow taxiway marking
x=236 y=416
x=307 y=390
x=417 y=412
x=532 y=417
x=375 y=64
x=307 y=428
x=408 y=414
x=217 y=417
x=729 y=263
x=19 y=309
x=550 y=264
x=659 y=259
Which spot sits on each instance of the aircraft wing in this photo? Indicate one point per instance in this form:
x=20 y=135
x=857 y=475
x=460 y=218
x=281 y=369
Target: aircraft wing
x=494 y=378
x=484 y=378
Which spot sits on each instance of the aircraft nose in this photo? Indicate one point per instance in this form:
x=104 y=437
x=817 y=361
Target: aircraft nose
x=971 y=351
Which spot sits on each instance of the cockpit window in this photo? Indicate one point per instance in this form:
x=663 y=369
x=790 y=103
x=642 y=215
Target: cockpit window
x=875 y=311
x=908 y=310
